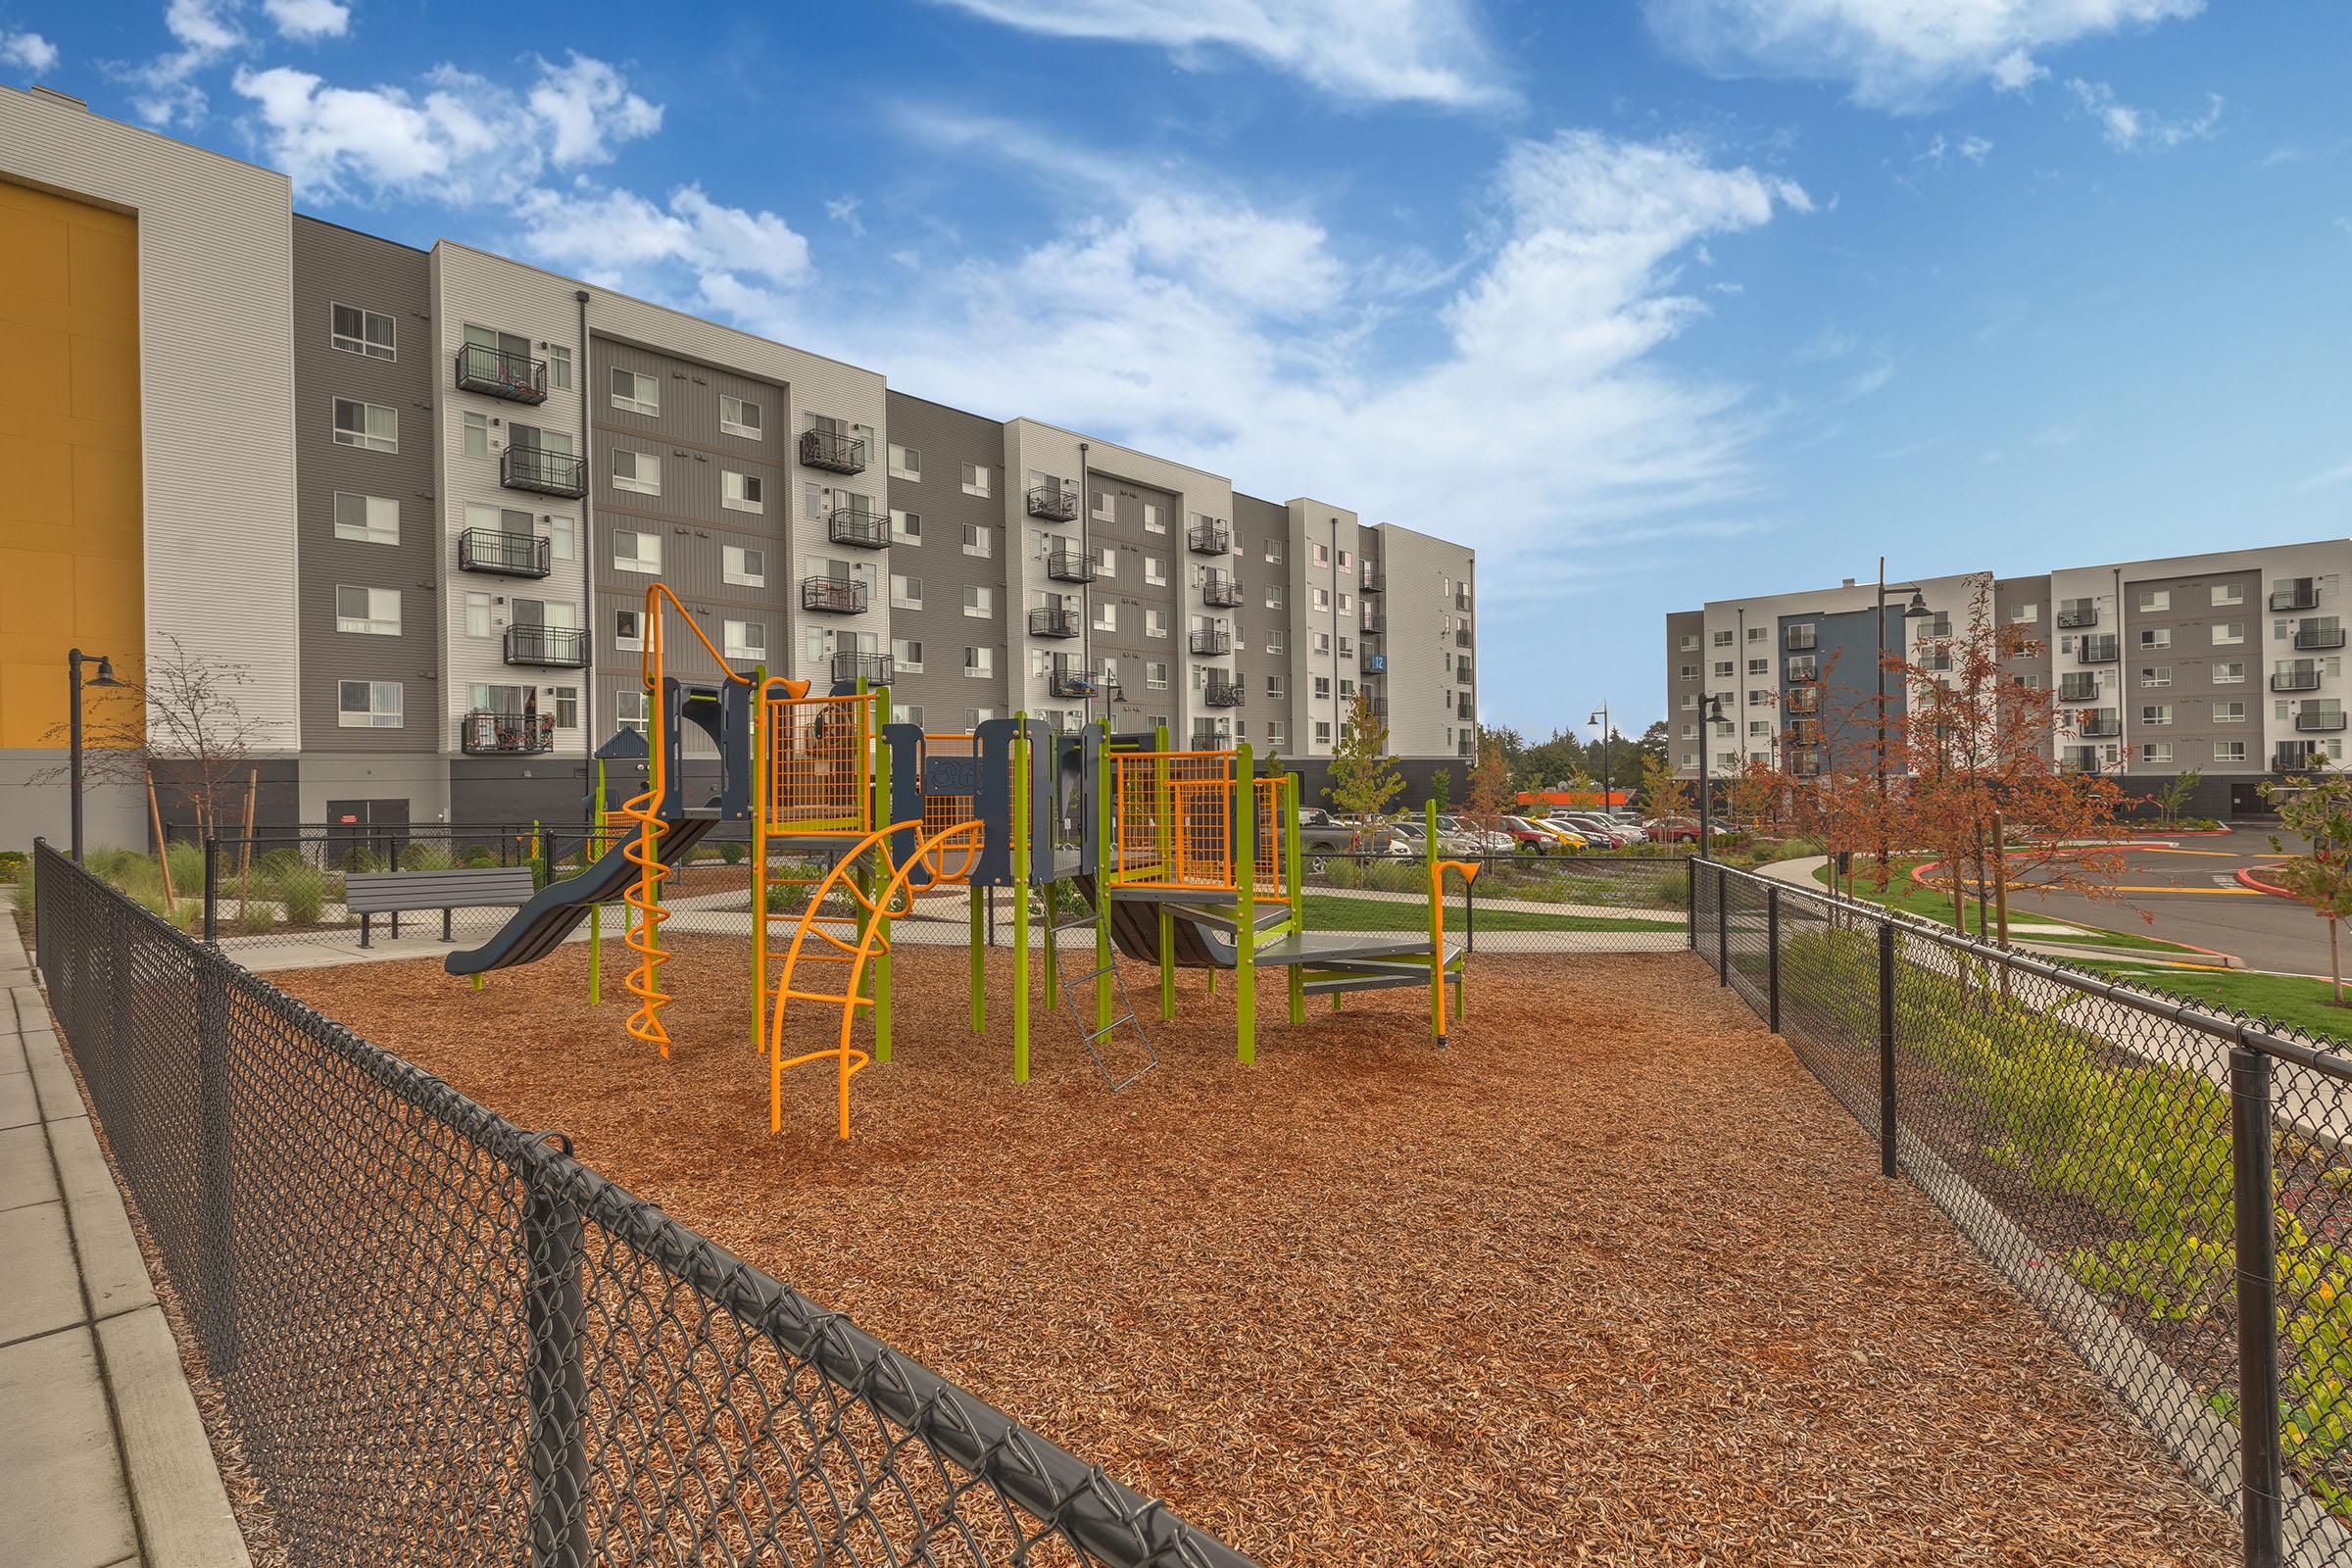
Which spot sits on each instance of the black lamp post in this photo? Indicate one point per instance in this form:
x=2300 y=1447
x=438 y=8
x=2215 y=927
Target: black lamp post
x=74 y=659
x=1917 y=609
x=1607 y=730
x=1710 y=715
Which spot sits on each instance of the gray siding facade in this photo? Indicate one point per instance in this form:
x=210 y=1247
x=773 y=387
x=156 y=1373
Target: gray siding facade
x=927 y=492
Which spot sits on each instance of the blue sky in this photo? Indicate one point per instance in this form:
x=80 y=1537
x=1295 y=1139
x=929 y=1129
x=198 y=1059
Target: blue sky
x=1652 y=302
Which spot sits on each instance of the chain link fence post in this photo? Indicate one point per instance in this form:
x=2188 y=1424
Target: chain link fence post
x=123 y=1131
x=1691 y=898
x=1772 y=956
x=216 y=1157
x=1723 y=927
x=1886 y=1124
x=2257 y=1249
x=558 y=1385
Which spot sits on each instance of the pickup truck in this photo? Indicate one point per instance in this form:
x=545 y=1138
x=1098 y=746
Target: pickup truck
x=1321 y=833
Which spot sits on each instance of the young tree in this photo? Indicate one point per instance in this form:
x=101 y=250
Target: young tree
x=1662 y=794
x=1441 y=788
x=1363 y=780
x=2321 y=876
x=2174 y=798
x=1489 y=783
x=183 y=727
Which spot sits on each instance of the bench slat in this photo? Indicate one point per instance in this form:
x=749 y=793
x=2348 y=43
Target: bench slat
x=383 y=892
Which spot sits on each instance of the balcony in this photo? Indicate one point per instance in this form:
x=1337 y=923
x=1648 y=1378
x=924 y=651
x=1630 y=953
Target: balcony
x=2297 y=757
x=1221 y=589
x=1069 y=678
x=2096 y=650
x=548 y=647
x=2103 y=724
x=2301 y=594
x=857 y=528
x=833 y=452
x=1224 y=693
x=833 y=596
x=2077 y=688
x=1372 y=582
x=1376 y=663
x=484 y=733
x=1373 y=623
x=1461 y=598
x=2077 y=617
x=1208 y=539
x=543 y=473
x=2319 y=720
x=516 y=378
x=1803 y=672
x=1464 y=707
x=874 y=669
x=505 y=554
x=2078 y=760
x=1805 y=764
x=1070 y=566
x=1462 y=636
x=1211 y=644
x=1056 y=502
x=2318 y=634
x=2300 y=678
x=1461 y=670
x=1053 y=623
x=1805 y=699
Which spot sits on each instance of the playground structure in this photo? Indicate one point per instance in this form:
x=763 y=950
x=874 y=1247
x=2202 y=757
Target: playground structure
x=1178 y=858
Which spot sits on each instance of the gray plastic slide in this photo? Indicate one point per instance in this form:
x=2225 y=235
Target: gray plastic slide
x=555 y=910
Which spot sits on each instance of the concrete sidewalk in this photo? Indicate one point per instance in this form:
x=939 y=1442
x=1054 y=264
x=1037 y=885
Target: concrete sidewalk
x=101 y=1448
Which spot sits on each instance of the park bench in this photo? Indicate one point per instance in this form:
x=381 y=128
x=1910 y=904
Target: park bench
x=367 y=894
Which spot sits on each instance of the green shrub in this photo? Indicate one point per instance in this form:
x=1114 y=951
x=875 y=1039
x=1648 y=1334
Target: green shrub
x=478 y=857
x=303 y=891
x=421 y=856
x=255 y=919
x=359 y=858
x=1671 y=891
x=733 y=852
x=11 y=864
x=188 y=868
x=20 y=891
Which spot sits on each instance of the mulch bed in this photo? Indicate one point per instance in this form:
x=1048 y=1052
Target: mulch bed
x=1613 y=1280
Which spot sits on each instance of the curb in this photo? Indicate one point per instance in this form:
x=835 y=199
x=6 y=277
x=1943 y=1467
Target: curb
x=2246 y=876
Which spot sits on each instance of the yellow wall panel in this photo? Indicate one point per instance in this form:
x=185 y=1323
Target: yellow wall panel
x=106 y=378
x=32 y=703
x=105 y=270
x=40 y=362
x=36 y=264
x=106 y=603
x=40 y=480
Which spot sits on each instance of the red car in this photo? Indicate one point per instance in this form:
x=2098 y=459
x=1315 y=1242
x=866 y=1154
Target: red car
x=1529 y=838
x=1673 y=830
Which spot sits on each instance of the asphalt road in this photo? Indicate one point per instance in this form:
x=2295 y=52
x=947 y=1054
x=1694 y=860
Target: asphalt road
x=2192 y=895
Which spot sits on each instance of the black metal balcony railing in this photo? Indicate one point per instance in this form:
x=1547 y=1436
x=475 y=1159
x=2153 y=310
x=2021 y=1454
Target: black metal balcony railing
x=1461 y=598
x=554 y=647
x=2100 y=726
x=833 y=452
x=1462 y=636
x=484 y=733
x=1070 y=566
x=857 y=529
x=1208 y=539
x=834 y=596
x=2296 y=680
x=1373 y=623
x=1222 y=589
x=2077 y=688
x=1056 y=502
x=2297 y=759
x=1805 y=674
x=2313 y=634
x=1224 y=693
x=1069 y=678
x=2302 y=594
x=516 y=378
x=543 y=473
x=1053 y=623
x=1462 y=671
x=1211 y=644
x=2078 y=760
x=2098 y=650
x=875 y=669
x=2319 y=720
x=1464 y=707
x=1372 y=582
x=2077 y=619
x=1802 y=699
x=507 y=555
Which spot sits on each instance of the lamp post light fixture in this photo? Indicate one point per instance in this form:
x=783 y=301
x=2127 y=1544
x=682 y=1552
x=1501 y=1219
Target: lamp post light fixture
x=1607 y=730
x=1710 y=715
x=74 y=659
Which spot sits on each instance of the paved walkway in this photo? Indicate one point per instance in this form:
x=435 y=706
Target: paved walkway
x=102 y=1454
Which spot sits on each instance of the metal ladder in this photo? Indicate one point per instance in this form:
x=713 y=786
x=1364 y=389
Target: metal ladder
x=1077 y=991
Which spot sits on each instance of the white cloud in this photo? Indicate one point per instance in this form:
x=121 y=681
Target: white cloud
x=1423 y=51
x=27 y=51
x=843 y=209
x=2128 y=129
x=2326 y=478
x=631 y=242
x=308 y=21
x=583 y=102
x=163 y=92
x=1893 y=54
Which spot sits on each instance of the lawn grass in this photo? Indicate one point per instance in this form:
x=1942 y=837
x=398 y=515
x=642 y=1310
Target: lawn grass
x=1329 y=911
x=2283 y=997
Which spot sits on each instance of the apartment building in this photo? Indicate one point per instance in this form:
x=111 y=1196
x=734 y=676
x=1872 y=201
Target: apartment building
x=2229 y=664
x=457 y=476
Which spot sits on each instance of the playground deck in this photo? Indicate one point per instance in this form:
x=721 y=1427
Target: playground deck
x=1613 y=1280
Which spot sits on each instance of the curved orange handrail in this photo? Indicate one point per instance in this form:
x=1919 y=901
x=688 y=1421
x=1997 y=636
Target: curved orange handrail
x=1436 y=926
x=644 y=938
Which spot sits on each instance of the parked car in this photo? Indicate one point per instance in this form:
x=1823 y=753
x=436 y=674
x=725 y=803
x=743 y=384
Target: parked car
x=1484 y=841
x=1677 y=830
x=1572 y=835
x=1598 y=829
x=1450 y=843
x=1529 y=839
x=1321 y=832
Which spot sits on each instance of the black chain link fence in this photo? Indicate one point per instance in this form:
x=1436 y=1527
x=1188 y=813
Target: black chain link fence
x=438 y=1338
x=2170 y=1187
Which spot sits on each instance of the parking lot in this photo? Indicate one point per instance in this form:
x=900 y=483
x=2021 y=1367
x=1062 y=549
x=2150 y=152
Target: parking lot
x=2186 y=889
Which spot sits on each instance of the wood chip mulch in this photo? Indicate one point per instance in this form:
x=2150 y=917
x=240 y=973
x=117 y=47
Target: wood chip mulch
x=1613 y=1280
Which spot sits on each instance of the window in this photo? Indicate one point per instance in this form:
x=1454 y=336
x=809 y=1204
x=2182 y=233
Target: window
x=979 y=601
x=979 y=664
x=2156 y=637
x=2228 y=633
x=2156 y=675
x=1106 y=615
x=1320 y=598
x=2156 y=750
x=1107 y=506
x=907 y=655
x=558 y=376
x=369 y=332
x=1156 y=569
x=2229 y=672
x=906 y=593
x=637 y=394
x=367 y=425
x=744 y=566
x=906 y=527
x=1323 y=646
x=1274 y=641
x=742 y=492
x=1759 y=727
x=629 y=632
x=1322 y=688
x=1278 y=731
x=975 y=479
x=2229 y=713
x=2228 y=751
x=2155 y=598
x=741 y=416
x=1273 y=596
x=1685 y=673
x=476 y=442
x=979 y=539
x=638 y=472
x=1723 y=669
x=496 y=519
x=1156 y=622
x=2156 y=714
x=636 y=551
x=1759 y=666
x=1106 y=561
x=560 y=538
x=746 y=639
x=628 y=709
x=2025 y=614
x=368 y=704
x=905 y=462
x=567 y=707
x=1154 y=522
x=2227 y=593
x=1321 y=551
x=1322 y=732
x=373 y=611
x=366 y=519
x=477 y=615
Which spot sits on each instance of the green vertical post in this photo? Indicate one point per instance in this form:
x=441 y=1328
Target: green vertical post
x=979 y=956
x=1244 y=904
x=1104 y=849
x=1437 y=893
x=881 y=965
x=595 y=911
x=1020 y=898
x=1163 y=802
x=1290 y=850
